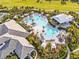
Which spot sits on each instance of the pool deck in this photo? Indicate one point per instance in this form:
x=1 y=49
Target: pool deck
x=42 y=28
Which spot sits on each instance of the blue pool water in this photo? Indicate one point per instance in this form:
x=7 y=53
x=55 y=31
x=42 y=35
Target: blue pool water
x=39 y=20
x=29 y=20
x=49 y=31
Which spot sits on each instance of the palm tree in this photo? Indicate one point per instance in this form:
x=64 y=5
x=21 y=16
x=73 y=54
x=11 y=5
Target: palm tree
x=63 y=2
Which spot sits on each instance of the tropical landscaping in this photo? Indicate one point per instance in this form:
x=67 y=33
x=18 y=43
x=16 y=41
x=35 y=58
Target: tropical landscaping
x=74 y=56
x=47 y=53
x=61 y=51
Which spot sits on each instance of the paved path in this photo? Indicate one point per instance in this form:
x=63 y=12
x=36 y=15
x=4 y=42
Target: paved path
x=36 y=55
x=75 y=50
x=68 y=55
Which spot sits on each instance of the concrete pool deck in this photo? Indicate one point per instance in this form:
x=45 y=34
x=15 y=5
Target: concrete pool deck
x=42 y=28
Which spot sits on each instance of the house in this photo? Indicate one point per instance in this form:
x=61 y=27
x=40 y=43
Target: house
x=63 y=20
x=12 y=38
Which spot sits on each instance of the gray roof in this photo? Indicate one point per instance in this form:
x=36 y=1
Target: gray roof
x=15 y=27
x=62 y=18
x=22 y=40
x=11 y=40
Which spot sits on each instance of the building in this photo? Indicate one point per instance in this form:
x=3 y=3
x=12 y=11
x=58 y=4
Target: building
x=12 y=38
x=63 y=19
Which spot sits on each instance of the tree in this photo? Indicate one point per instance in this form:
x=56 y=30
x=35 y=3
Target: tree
x=12 y=57
x=1 y=7
x=74 y=56
x=38 y=1
x=63 y=2
x=27 y=57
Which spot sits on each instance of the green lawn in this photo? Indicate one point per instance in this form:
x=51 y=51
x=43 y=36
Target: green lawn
x=12 y=57
x=54 y=5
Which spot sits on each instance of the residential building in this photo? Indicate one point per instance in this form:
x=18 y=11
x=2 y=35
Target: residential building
x=12 y=38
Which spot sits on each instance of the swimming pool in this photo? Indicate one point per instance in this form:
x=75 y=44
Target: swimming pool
x=50 y=32
x=39 y=20
x=41 y=24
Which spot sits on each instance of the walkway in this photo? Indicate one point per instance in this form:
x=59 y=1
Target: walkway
x=68 y=55
x=36 y=55
x=75 y=50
